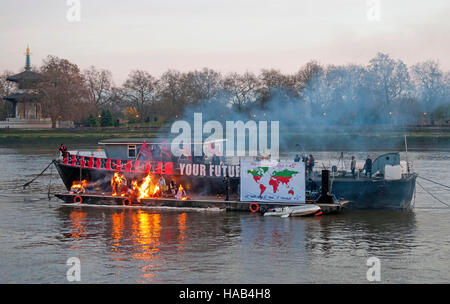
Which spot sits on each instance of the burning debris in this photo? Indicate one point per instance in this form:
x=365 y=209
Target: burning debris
x=144 y=189
x=181 y=194
x=119 y=184
x=78 y=187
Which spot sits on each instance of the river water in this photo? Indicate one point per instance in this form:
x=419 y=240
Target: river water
x=116 y=245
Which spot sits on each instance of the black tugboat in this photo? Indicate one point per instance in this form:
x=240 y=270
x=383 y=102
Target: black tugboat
x=205 y=176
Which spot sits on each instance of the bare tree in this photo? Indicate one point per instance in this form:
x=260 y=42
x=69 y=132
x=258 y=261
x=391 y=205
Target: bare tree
x=140 y=91
x=6 y=88
x=390 y=78
x=172 y=92
x=202 y=86
x=429 y=81
x=98 y=83
x=64 y=94
x=243 y=89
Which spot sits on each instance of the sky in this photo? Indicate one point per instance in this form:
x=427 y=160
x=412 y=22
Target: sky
x=226 y=35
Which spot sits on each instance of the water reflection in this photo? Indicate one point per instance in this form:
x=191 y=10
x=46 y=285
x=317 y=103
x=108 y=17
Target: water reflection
x=151 y=240
x=362 y=233
x=77 y=219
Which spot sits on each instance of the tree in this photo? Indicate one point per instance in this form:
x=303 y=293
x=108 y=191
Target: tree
x=172 y=95
x=6 y=88
x=429 y=82
x=140 y=91
x=98 y=83
x=64 y=94
x=202 y=86
x=243 y=90
x=389 y=77
x=106 y=119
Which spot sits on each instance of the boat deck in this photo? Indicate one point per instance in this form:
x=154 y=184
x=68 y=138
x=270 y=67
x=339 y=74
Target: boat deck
x=193 y=202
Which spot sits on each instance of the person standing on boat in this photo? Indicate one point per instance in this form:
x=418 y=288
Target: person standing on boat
x=297 y=158
x=353 y=166
x=368 y=166
x=227 y=183
x=310 y=166
x=63 y=150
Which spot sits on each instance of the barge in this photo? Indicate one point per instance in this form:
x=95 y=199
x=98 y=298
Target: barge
x=205 y=177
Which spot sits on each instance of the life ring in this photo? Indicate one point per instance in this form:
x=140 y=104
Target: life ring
x=254 y=207
x=77 y=199
x=126 y=201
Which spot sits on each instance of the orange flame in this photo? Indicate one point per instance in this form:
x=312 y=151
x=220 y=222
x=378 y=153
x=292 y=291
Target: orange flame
x=181 y=193
x=146 y=189
x=78 y=186
x=116 y=181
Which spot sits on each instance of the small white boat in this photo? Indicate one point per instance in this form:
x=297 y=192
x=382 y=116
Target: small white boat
x=307 y=209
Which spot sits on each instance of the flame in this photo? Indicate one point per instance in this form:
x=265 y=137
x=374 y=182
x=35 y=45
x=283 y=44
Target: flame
x=78 y=186
x=146 y=188
x=181 y=194
x=156 y=190
x=116 y=182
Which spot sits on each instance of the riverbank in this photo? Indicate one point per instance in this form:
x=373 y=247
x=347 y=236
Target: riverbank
x=321 y=139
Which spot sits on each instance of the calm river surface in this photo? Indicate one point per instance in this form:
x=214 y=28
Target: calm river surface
x=117 y=245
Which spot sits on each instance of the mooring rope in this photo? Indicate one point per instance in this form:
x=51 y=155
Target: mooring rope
x=24 y=186
x=432 y=181
x=432 y=195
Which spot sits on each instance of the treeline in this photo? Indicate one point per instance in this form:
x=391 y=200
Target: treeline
x=385 y=91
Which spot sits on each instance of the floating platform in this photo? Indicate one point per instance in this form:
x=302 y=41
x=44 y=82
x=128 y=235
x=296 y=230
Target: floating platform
x=197 y=202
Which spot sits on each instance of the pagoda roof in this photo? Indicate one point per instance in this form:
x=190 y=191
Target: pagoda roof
x=25 y=75
x=22 y=97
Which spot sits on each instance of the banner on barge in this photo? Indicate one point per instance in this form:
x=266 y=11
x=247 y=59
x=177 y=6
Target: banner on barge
x=155 y=167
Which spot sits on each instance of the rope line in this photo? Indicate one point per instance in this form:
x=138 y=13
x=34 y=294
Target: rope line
x=434 y=182
x=24 y=186
x=432 y=195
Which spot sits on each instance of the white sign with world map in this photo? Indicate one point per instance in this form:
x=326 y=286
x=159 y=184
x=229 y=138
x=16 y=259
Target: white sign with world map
x=267 y=181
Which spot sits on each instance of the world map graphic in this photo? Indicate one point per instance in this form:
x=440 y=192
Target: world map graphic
x=275 y=179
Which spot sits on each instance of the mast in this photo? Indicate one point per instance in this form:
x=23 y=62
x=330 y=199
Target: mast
x=406 y=150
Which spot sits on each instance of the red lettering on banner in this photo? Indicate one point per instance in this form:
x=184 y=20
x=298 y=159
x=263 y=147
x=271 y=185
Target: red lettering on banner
x=168 y=168
x=91 y=162
x=128 y=166
x=119 y=165
x=159 y=168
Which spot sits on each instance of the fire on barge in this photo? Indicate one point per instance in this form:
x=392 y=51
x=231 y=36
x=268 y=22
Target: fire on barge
x=142 y=172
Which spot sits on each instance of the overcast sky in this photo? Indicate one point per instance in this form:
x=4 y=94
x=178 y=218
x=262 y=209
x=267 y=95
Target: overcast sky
x=227 y=35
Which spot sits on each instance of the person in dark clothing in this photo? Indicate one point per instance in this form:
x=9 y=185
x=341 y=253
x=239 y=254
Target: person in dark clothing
x=310 y=165
x=215 y=160
x=226 y=181
x=297 y=158
x=312 y=185
x=353 y=166
x=63 y=150
x=368 y=166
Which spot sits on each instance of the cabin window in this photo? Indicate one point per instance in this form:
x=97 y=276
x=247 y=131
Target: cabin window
x=131 y=151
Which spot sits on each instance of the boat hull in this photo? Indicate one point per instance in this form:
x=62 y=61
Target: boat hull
x=375 y=193
x=361 y=193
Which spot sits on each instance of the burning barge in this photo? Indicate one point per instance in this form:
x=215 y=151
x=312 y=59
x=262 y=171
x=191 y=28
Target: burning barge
x=124 y=177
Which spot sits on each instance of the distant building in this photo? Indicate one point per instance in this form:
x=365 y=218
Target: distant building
x=27 y=102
